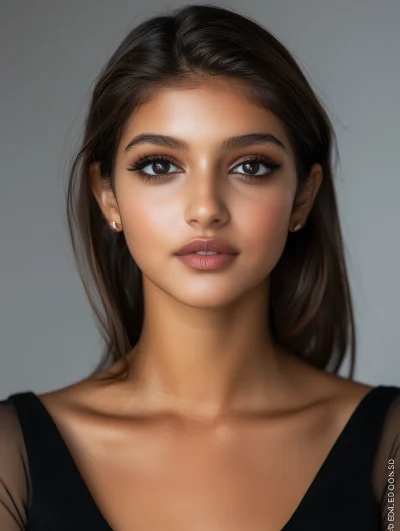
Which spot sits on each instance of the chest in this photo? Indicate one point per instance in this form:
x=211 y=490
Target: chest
x=250 y=479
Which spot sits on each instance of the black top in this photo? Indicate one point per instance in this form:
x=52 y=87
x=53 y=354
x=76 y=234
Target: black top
x=41 y=488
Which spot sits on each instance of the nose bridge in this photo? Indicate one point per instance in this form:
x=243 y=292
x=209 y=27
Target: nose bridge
x=205 y=199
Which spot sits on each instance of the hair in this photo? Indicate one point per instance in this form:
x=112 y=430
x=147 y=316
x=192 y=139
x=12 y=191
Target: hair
x=310 y=312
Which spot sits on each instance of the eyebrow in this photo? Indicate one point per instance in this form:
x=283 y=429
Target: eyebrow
x=228 y=143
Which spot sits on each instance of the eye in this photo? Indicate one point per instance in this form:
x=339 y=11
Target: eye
x=162 y=163
x=253 y=164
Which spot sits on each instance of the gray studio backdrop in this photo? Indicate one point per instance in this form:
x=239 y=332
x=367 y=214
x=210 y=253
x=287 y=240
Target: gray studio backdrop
x=50 y=53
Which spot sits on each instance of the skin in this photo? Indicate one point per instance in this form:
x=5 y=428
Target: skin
x=212 y=351
x=214 y=399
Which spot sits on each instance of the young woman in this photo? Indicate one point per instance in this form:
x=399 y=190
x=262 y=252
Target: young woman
x=217 y=404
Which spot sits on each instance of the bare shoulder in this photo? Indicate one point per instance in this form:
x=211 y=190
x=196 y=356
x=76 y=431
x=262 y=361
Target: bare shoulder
x=85 y=414
x=332 y=395
x=79 y=399
x=346 y=397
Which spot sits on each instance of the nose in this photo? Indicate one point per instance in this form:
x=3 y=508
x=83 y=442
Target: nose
x=205 y=204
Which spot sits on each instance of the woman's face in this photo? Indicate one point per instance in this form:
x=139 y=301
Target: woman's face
x=205 y=191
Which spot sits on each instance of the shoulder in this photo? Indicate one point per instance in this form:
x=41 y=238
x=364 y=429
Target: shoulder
x=331 y=399
x=94 y=398
x=328 y=392
x=344 y=396
x=83 y=413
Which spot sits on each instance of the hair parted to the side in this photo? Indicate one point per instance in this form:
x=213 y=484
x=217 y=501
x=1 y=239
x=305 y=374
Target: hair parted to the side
x=311 y=312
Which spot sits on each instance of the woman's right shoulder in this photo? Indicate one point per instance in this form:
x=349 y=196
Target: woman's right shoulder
x=14 y=471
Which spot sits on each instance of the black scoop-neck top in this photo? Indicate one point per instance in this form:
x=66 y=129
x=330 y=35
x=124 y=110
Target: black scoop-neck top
x=340 y=497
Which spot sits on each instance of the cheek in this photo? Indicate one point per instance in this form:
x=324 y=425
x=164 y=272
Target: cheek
x=267 y=220
x=148 y=225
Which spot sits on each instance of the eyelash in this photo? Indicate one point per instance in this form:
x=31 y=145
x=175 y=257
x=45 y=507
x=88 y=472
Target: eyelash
x=147 y=159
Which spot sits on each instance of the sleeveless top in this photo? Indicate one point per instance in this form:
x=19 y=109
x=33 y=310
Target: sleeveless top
x=357 y=486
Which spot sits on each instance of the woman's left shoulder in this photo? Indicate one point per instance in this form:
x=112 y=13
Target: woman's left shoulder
x=345 y=391
x=353 y=395
x=342 y=397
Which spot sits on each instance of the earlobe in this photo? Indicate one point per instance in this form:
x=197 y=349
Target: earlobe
x=115 y=227
x=296 y=227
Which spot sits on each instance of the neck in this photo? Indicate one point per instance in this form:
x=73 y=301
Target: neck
x=206 y=362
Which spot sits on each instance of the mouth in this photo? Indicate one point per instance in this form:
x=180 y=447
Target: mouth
x=207 y=247
x=205 y=253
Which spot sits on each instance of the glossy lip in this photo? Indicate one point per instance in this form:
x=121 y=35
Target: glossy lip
x=207 y=244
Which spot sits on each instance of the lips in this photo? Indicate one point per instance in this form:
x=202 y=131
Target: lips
x=207 y=245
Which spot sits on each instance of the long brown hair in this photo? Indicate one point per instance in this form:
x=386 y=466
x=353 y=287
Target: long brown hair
x=311 y=312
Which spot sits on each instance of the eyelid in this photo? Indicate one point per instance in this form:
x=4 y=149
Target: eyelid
x=244 y=158
x=264 y=158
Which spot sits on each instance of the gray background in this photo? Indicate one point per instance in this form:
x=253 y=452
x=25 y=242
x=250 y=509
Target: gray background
x=50 y=54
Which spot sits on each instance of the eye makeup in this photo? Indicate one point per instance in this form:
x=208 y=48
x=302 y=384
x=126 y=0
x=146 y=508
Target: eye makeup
x=165 y=160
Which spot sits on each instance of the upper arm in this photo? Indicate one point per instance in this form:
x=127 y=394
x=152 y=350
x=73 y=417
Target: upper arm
x=386 y=470
x=14 y=472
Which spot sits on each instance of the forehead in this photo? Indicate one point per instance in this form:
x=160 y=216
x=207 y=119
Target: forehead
x=204 y=113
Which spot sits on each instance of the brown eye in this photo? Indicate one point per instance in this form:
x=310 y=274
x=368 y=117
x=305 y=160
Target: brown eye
x=160 y=167
x=160 y=164
x=257 y=167
x=251 y=167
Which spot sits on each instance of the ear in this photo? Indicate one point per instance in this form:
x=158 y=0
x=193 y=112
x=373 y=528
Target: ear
x=306 y=197
x=103 y=193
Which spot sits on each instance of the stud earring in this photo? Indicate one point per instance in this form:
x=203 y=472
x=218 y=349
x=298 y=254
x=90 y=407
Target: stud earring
x=115 y=226
x=297 y=227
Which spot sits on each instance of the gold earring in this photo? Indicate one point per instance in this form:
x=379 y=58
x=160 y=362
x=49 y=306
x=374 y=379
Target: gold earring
x=115 y=226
